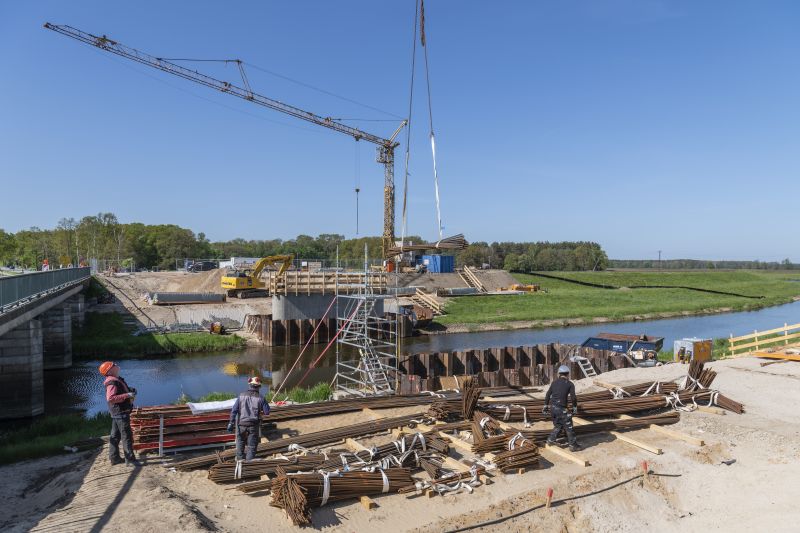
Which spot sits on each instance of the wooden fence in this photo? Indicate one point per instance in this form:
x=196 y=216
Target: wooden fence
x=757 y=340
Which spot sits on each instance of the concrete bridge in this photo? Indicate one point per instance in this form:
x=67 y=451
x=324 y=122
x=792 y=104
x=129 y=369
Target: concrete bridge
x=37 y=313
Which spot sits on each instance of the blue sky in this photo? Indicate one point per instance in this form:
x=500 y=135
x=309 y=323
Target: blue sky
x=641 y=124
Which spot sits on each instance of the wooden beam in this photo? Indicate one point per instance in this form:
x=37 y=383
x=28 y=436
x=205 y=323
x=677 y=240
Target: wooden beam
x=355 y=445
x=671 y=433
x=712 y=410
x=564 y=454
x=458 y=443
x=370 y=413
x=368 y=503
x=455 y=465
x=623 y=437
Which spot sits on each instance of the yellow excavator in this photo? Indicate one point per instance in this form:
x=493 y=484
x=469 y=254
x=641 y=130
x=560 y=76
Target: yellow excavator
x=247 y=282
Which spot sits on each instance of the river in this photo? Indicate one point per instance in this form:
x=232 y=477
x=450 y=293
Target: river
x=161 y=380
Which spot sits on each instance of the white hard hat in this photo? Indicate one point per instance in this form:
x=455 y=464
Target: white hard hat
x=563 y=369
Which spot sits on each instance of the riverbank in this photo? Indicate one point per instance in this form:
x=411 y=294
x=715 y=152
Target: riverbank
x=106 y=335
x=49 y=435
x=656 y=297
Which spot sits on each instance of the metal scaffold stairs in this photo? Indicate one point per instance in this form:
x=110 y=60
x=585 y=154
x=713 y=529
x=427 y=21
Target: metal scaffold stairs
x=375 y=372
x=586 y=366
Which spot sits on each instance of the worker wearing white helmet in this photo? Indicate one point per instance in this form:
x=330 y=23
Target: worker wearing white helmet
x=246 y=419
x=555 y=401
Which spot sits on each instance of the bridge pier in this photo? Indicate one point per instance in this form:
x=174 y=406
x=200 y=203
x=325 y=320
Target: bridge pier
x=77 y=305
x=57 y=337
x=21 y=365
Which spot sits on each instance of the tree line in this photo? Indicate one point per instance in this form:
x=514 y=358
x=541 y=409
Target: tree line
x=103 y=236
x=684 y=264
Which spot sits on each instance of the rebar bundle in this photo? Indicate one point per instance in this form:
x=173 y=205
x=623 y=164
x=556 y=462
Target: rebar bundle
x=469 y=397
x=698 y=377
x=231 y=472
x=309 y=440
x=521 y=452
x=404 y=451
x=297 y=494
x=448 y=482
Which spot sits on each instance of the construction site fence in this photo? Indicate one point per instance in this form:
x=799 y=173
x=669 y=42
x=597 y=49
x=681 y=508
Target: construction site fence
x=298 y=332
x=744 y=344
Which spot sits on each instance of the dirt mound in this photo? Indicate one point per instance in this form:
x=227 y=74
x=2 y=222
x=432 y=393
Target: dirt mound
x=202 y=281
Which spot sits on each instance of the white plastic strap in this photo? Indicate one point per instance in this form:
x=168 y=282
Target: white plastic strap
x=385 y=481
x=237 y=471
x=483 y=421
x=326 y=485
x=524 y=414
x=513 y=442
x=619 y=392
x=508 y=413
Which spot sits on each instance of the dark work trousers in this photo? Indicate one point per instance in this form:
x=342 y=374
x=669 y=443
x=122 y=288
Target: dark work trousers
x=562 y=420
x=248 y=436
x=120 y=431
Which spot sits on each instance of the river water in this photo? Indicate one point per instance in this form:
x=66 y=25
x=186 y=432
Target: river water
x=161 y=380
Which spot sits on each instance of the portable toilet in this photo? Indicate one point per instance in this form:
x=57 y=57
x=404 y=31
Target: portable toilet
x=693 y=349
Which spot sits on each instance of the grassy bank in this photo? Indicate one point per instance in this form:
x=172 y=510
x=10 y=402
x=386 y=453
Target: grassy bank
x=104 y=334
x=565 y=300
x=49 y=434
x=318 y=393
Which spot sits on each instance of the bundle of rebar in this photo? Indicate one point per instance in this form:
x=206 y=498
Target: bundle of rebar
x=446 y=482
x=726 y=403
x=401 y=452
x=308 y=440
x=698 y=377
x=297 y=494
x=231 y=472
x=439 y=410
x=469 y=397
x=521 y=452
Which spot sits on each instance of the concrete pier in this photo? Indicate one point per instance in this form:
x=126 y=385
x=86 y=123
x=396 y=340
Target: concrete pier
x=57 y=337
x=77 y=305
x=21 y=365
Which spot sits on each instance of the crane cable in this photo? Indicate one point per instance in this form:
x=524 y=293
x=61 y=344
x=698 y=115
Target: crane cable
x=408 y=129
x=430 y=116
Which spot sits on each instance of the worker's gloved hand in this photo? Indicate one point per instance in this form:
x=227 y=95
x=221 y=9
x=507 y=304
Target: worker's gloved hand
x=575 y=410
x=230 y=428
x=131 y=395
x=133 y=390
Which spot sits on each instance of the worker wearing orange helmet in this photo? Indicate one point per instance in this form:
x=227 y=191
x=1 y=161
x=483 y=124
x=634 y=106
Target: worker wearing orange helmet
x=246 y=419
x=120 y=404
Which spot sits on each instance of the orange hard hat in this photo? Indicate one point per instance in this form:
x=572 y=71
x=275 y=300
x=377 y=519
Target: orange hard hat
x=255 y=380
x=105 y=367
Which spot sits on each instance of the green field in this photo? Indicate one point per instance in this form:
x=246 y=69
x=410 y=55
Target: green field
x=565 y=300
x=105 y=335
x=48 y=435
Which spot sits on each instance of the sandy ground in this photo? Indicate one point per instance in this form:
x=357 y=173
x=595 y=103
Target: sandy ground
x=697 y=492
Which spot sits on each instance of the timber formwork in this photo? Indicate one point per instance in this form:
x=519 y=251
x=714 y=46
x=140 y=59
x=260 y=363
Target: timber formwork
x=297 y=283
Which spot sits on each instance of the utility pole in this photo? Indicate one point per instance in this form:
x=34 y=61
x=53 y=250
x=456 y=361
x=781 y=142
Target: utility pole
x=659 y=259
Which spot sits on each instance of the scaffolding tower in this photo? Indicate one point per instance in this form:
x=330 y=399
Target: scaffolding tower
x=366 y=347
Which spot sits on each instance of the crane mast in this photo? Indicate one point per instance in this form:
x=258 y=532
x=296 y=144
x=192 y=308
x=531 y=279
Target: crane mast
x=385 y=147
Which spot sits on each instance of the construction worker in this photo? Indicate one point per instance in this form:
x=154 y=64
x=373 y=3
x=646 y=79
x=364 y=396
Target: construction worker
x=120 y=404
x=246 y=419
x=556 y=401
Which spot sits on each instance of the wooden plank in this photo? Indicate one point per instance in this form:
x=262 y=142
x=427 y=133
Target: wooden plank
x=711 y=410
x=458 y=443
x=624 y=438
x=781 y=357
x=564 y=454
x=368 y=503
x=455 y=465
x=765 y=342
x=671 y=433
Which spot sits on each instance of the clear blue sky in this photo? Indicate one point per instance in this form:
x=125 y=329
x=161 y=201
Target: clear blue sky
x=640 y=124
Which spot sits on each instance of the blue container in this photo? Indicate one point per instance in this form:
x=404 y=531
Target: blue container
x=622 y=343
x=439 y=264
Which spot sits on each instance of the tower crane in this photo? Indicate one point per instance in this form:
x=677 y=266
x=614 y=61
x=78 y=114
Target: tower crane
x=385 y=147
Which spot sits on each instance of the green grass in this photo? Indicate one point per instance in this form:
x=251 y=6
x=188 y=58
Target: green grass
x=48 y=435
x=104 y=334
x=565 y=300
x=318 y=393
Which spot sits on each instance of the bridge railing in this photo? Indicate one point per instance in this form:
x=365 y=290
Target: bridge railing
x=24 y=288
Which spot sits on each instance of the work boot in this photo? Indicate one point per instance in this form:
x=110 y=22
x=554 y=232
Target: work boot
x=575 y=447
x=551 y=442
x=115 y=460
x=133 y=462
